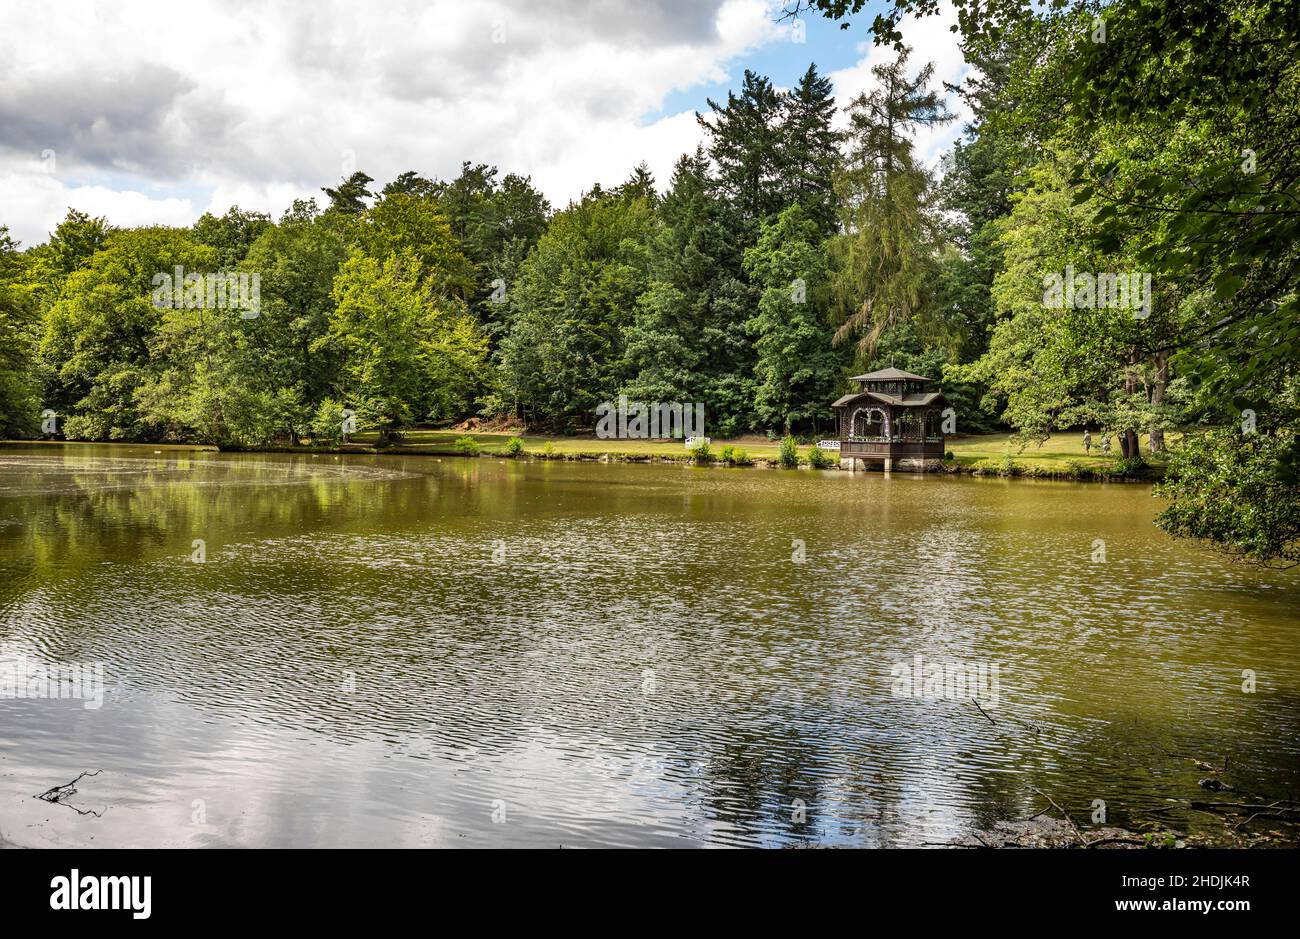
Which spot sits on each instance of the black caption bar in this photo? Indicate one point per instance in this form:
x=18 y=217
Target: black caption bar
x=146 y=889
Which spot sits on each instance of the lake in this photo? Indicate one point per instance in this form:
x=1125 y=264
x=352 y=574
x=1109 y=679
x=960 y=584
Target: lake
x=315 y=650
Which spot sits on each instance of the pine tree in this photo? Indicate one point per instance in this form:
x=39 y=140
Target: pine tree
x=640 y=185
x=797 y=371
x=745 y=145
x=349 y=198
x=810 y=150
x=496 y=222
x=410 y=183
x=687 y=339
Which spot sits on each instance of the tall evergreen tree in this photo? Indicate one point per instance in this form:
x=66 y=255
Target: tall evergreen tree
x=640 y=185
x=410 y=183
x=885 y=259
x=464 y=201
x=797 y=371
x=351 y=195
x=686 y=341
x=745 y=144
x=810 y=149
x=497 y=223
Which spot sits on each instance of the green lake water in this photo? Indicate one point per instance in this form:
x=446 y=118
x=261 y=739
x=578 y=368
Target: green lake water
x=387 y=651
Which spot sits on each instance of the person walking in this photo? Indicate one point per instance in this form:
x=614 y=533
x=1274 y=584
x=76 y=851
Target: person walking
x=1087 y=440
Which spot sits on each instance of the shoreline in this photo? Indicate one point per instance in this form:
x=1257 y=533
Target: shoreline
x=1006 y=468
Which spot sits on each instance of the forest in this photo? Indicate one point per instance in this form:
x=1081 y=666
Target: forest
x=1139 y=141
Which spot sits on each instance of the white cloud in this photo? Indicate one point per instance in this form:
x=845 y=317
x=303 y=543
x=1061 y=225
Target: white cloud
x=158 y=112
x=258 y=104
x=34 y=203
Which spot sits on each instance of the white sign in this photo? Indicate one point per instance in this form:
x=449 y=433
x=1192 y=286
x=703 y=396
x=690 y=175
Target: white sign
x=828 y=444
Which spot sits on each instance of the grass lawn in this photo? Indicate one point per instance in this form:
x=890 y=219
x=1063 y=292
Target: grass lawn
x=443 y=441
x=1054 y=454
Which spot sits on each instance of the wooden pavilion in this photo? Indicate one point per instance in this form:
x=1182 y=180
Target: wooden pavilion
x=894 y=418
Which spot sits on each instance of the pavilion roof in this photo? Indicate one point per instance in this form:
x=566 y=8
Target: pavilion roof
x=889 y=374
x=907 y=401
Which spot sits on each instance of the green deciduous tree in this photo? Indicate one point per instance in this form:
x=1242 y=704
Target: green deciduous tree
x=565 y=351
x=232 y=234
x=400 y=222
x=19 y=322
x=74 y=240
x=1239 y=489
x=297 y=261
x=98 y=333
x=404 y=355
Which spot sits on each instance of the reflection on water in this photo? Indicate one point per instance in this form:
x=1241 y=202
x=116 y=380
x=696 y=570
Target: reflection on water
x=385 y=651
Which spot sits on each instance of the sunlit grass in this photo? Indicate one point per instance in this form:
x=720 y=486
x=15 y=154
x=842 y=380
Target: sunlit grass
x=1055 y=453
x=495 y=443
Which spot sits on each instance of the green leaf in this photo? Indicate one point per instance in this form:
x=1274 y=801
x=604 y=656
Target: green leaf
x=1227 y=284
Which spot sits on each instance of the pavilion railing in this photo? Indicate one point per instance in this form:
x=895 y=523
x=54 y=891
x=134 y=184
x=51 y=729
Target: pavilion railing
x=894 y=449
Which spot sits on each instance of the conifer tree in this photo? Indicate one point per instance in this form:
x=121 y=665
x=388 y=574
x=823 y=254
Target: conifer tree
x=810 y=149
x=885 y=259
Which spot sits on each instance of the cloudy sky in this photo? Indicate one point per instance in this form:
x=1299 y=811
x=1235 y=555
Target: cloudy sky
x=157 y=112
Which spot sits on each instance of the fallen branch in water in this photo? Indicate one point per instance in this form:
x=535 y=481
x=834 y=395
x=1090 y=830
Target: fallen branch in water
x=59 y=794
x=1281 y=805
x=1237 y=826
x=984 y=712
x=1285 y=809
x=1078 y=833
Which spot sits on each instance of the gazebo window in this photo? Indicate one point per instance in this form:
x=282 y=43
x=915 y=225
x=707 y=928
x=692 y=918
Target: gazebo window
x=909 y=425
x=869 y=424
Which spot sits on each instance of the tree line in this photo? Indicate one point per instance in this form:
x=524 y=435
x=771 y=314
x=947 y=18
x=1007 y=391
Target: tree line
x=1138 y=137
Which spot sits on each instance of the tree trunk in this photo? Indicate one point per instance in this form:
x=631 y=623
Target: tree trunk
x=1158 y=385
x=1129 y=442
